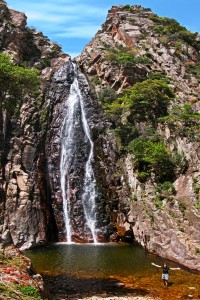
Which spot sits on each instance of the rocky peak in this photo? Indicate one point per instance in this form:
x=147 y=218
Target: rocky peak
x=162 y=43
x=27 y=45
x=18 y=19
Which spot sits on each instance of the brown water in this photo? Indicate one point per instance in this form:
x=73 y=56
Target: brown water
x=95 y=269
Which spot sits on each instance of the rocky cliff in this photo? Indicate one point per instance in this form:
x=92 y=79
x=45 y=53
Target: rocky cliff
x=26 y=216
x=142 y=103
x=133 y=46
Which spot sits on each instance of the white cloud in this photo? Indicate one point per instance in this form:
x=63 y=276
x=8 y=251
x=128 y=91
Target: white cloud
x=46 y=18
x=81 y=31
x=63 y=11
x=63 y=19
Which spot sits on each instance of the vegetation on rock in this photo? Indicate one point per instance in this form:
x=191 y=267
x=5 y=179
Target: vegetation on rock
x=152 y=158
x=15 y=83
x=172 y=28
x=16 y=280
x=184 y=121
x=126 y=57
x=145 y=102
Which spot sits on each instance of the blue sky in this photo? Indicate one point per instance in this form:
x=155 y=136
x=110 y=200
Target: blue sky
x=73 y=23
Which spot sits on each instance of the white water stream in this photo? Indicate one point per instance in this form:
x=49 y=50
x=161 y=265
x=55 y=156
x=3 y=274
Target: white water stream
x=75 y=106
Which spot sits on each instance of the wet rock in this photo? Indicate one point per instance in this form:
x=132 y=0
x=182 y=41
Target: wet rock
x=119 y=284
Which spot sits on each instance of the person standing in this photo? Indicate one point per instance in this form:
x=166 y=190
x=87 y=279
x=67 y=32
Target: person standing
x=165 y=272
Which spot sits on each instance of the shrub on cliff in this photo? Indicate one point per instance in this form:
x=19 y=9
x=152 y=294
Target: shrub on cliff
x=169 y=25
x=31 y=291
x=128 y=7
x=175 y=31
x=145 y=101
x=15 y=83
x=152 y=157
x=184 y=121
x=126 y=57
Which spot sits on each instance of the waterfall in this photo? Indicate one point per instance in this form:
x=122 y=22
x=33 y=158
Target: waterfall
x=76 y=114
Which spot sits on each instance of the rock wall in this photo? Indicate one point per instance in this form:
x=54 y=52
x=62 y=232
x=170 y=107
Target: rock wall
x=26 y=215
x=168 y=227
x=30 y=170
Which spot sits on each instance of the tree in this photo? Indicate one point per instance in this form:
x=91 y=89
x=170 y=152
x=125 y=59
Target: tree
x=149 y=99
x=145 y=101
x=151 y=156
x=15 y=83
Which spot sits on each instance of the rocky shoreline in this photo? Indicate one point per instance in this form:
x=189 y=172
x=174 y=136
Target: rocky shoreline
x=17 y=277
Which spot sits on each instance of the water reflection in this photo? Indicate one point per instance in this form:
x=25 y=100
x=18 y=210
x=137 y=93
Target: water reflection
x=92 y=260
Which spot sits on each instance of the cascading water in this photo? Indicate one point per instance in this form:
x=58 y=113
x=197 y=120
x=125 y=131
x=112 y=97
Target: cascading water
x=75 y=117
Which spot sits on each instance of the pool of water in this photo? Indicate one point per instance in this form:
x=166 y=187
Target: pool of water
x=93 y=260
x=90 y=270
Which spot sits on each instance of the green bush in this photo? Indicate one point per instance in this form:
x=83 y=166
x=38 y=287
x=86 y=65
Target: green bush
x=107 y=95
x=170 y=25
x=197 y=251
x=127 y=132
x=128 y=7
x=152 y=157
x=132 y=20
x=126 y=57
x=30 y=291
x=182 y=207
x=181 y=229
x=145 y=101
x=197 y=205
x=15 y=83
x=190 y=38
x=194 y=69
x=166 y=187
x=149 y=55
x=180 y=162
x=171 y=28
x=2 y=288
x=159 y=76
x=184 y=121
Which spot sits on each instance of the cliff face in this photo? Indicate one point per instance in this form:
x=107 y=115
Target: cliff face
x=26 y=217
x=133 y=44
x=134 y=199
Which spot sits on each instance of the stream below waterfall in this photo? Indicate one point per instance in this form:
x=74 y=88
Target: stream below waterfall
x=77 y=271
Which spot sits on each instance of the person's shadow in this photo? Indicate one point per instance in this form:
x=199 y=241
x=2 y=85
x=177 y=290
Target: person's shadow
x=170 y=283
